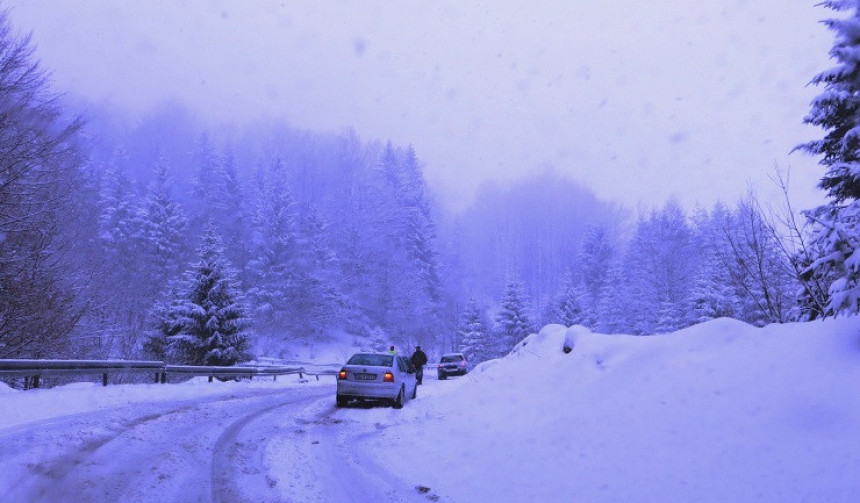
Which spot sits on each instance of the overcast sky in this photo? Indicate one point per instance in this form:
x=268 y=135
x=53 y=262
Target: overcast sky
x=639 y=100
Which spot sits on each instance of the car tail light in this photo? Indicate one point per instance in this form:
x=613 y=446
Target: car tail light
x=462 y=364
x=388 y=377
x=341 y=374
x=440 y=365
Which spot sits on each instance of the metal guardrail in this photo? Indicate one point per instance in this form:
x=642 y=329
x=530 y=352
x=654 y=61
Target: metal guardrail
x=33 y=370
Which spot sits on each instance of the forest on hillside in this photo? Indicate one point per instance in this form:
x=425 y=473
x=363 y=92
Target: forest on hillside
x=165 y=237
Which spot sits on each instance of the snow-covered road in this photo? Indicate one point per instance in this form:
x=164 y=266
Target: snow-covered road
x=253 y=445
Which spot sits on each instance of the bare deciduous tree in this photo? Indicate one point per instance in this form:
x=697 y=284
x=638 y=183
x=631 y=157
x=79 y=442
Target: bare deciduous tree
x=39 y=175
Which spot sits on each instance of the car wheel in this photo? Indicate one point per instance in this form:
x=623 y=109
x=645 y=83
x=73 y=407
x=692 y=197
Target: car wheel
x=442 y=377
x=341 y=401
x=398 y=402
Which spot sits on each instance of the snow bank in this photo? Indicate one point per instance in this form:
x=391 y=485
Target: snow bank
x=18 y=407
x=718 y=412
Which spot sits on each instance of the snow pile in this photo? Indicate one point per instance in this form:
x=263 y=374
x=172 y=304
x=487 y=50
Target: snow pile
x=719 y=412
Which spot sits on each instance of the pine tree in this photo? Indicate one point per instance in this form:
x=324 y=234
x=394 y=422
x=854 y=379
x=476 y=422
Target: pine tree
x=163 y=227
x=660 y=264
x=232 y=218
x=406 y=282
x=273 y=269
x=837 y=111
x=595 y=256
x=641 y=303
x=165 y=322
x=126 y=261
x=712 y=295
x=612 y=308
x=473 y=333
x=316 y=300
x=513 y=322
x=379 y=339
x=118 y=204
x=568 y=306
x=206 y=177
x=214 y=326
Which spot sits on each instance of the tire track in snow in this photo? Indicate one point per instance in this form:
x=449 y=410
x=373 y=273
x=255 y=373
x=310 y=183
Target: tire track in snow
x=238 y=467
x=147 y=452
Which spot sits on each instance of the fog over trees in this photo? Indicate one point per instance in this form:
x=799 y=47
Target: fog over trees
x=162 y=237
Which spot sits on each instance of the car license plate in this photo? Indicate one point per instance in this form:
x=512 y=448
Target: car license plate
x=364 y=377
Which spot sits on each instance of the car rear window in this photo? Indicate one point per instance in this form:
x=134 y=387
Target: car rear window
x=371 y=360
x=451 y=358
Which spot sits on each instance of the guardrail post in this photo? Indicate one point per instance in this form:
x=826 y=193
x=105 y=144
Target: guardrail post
x=104 y=379
x=210 y=378
x=301 y=376
x=36 y=381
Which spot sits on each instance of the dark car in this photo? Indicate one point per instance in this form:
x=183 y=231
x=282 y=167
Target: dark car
x=452 y=364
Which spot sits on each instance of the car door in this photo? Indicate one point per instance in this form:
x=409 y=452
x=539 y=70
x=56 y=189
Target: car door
x=408 y=377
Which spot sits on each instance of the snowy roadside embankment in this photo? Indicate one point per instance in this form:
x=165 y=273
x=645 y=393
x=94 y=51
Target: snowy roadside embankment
x=19 y=407
x=718 y=412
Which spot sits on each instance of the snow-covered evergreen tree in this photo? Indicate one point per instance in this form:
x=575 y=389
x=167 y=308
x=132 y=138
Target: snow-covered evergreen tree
x=712 y=294
x=232 y=215
x=163 y=228
x=837 y=111
x=118 y=210
x=660 y=265
x=206 y=179
x=612 y=316
x=473 y=333
x=641 y=294
x=513 y=321
x=273 y=268
x=127 y=262
x=165 y=321
x=595 y=256
x=568 y=306
x=317 y=302
x=379 y=339
x=211 y=313
x=406 y=285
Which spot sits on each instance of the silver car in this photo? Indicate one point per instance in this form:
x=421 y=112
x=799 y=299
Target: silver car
x=383 y=377
x=452 y=364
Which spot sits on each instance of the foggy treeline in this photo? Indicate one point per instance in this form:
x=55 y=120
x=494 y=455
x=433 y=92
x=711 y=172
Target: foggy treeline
x=114 y=230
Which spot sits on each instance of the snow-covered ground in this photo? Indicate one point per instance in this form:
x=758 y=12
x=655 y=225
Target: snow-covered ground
x=720 y=412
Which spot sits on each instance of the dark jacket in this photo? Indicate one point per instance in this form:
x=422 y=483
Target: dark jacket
x=419 y=358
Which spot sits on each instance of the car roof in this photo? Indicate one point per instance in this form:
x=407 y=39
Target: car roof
x=453 y=354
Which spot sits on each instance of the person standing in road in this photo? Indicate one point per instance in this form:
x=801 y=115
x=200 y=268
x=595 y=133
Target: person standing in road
x=419 y=359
